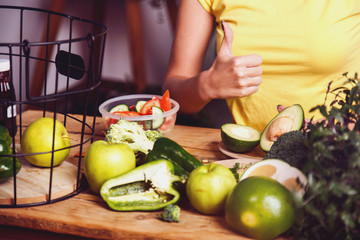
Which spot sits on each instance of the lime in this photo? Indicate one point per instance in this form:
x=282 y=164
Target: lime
x=260 y=207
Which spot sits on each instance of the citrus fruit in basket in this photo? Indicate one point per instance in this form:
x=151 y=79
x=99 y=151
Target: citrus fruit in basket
x=292 y=178
x=38 y=138
x=260 y=207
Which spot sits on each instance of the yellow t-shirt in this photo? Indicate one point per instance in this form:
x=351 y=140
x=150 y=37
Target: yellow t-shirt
x=304 y=44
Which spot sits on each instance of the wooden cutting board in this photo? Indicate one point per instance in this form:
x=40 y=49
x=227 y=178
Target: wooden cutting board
x=32 y=183
x=244 y=161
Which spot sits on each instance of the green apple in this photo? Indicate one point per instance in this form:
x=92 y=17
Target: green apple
x=104 y=160
x=38 y=138
x=208 y=187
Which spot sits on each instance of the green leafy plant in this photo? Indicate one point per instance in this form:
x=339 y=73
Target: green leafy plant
x=330 y=208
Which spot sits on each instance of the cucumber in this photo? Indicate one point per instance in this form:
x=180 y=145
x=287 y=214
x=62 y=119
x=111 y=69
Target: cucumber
x=139 y=105
x=120 y=108
x=239 y=138
x=156 y=123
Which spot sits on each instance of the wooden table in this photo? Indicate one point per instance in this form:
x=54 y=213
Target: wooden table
x=87 y=216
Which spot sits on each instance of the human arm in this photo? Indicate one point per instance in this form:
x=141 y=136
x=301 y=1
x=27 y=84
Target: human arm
x=229 y=76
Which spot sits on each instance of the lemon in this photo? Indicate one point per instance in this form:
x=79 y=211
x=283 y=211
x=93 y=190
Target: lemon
x=292 y=178
x=260 y=207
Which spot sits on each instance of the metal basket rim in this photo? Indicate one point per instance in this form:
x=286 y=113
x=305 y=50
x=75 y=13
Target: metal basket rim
x=59 y=14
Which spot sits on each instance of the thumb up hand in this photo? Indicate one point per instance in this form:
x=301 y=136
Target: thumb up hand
x=232 y=76
x=226 y=45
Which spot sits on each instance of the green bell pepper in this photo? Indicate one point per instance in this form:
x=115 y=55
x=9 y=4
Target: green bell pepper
x=7 y=168
x=6 y=161
x=148 y=187
x=165 y=148
x=5 y=135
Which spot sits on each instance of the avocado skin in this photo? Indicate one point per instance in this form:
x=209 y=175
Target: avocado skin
x=238 y=145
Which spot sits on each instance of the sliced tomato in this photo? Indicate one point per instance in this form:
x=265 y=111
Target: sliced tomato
x=132 y=107
x=110 y=121
x=126 y=113
x=169 y=122
x=165 y=103
x=147 y=107
x=155 y=97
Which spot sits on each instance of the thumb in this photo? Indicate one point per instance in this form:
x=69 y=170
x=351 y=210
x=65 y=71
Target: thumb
x=225 y=48
x=280 y=107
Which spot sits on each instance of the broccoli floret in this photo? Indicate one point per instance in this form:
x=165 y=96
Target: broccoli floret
x=152 y=135
x=234 y=170
x=171 y=213
x=132 y=134
x=291 y=148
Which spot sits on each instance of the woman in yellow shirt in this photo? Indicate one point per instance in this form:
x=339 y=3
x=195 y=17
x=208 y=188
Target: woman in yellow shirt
x=270 y=52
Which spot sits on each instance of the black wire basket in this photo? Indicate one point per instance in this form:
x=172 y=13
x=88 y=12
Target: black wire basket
x=55 y=71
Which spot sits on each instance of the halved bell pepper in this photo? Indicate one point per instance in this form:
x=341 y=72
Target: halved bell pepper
x=165 y=148
x=148 y=187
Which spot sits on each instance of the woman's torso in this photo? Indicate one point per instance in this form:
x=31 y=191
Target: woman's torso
x=304 y=46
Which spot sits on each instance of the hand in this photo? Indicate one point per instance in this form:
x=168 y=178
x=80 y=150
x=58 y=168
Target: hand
x=232 y=76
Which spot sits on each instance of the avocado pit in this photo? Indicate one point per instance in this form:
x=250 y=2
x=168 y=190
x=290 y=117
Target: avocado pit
x=278 y=127
x=289 y=119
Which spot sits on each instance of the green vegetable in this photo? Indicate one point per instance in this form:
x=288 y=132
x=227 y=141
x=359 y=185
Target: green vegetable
x=239 y=138
x=171 y=213
x=235 y=170
x=131 y=133
x=239 y=169
x=5 y=135
x=157 y=122
x=291 y=148
x=152 y=135
x=120 y=108
x=6 y=160
x=139 y=105
x=331 y=205
x=148 y=187
x=183 y=161
x=7 y=168
x=4 y=148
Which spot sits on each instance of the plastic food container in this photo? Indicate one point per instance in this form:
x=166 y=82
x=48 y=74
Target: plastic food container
x=163 y=122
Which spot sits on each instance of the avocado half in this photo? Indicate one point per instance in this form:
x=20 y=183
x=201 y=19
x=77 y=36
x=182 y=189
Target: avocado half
x=289 y=119
x=239 y=138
